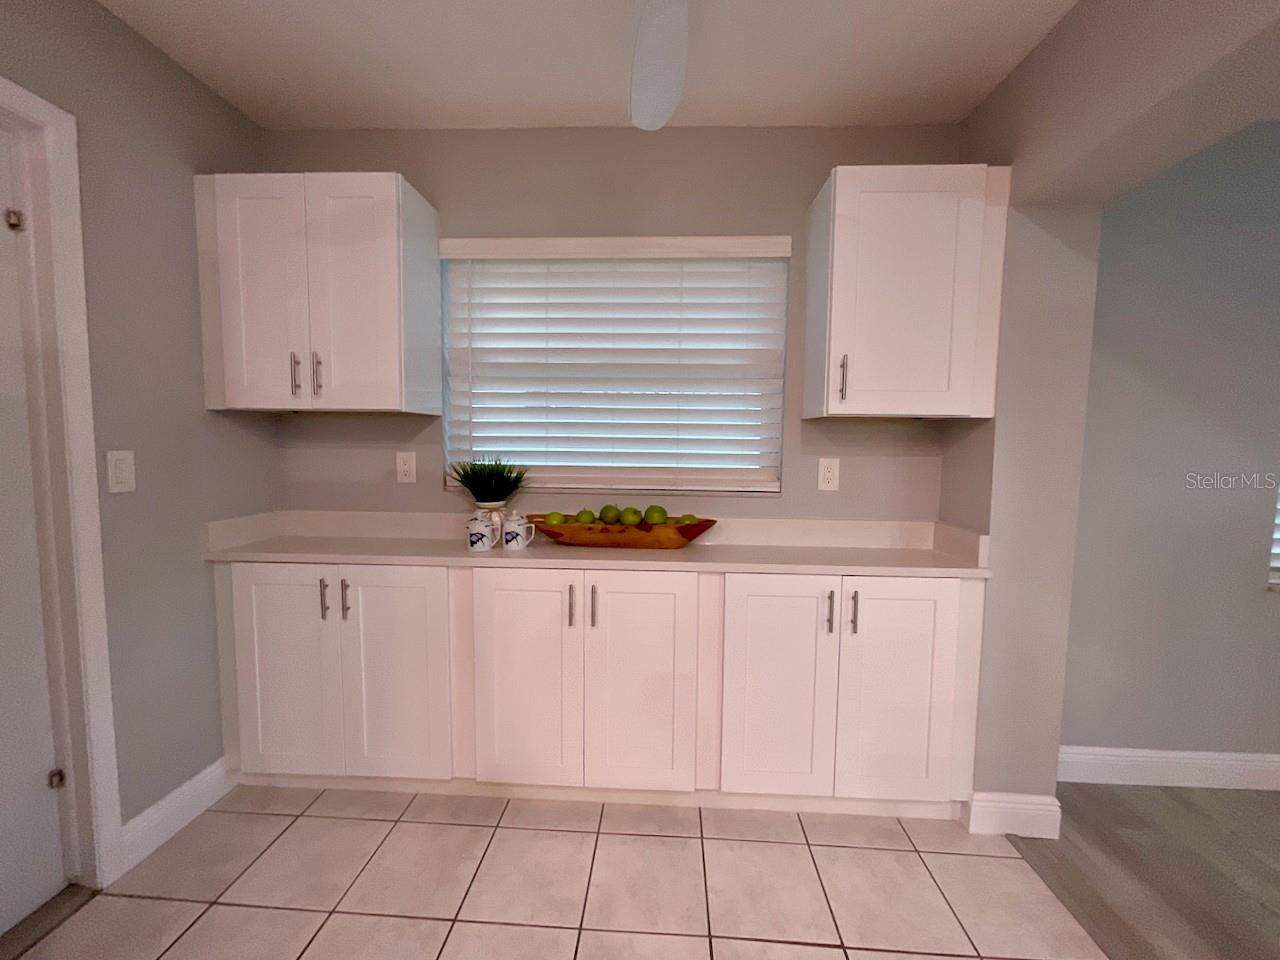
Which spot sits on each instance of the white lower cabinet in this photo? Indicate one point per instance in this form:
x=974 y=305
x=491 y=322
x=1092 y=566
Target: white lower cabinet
x=897 y=688
x=586 y=677
x=781 y=658
x=342 y=669
x=862 y=707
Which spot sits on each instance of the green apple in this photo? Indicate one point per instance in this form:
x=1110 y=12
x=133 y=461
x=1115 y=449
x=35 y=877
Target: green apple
x=554 y=518
x=655 y=515
x=688 y=518
x=672 y=521
x=585 y=516
x=609 y=513
x=631 y=516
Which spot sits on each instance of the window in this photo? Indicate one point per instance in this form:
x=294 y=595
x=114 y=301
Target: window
x=1275 y=547
x=650 y=374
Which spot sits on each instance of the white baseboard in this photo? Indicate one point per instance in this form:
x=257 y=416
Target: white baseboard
x=1022 y=814
x=140 y=836
x=1169 y=768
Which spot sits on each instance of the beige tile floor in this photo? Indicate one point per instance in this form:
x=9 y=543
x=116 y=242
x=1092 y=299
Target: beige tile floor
x=272 y=873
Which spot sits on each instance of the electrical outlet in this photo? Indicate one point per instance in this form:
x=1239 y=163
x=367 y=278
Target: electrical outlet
x=828 y=473
x=121 y=476
x=406 y=467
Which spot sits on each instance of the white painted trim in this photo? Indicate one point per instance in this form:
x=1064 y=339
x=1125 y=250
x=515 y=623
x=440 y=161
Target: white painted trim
x=75 y=534
x=1022 y=814
x=603 y=248
x=142 y=835
x=1169 y=768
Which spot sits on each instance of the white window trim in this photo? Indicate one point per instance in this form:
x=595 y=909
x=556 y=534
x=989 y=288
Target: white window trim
x=613 y=248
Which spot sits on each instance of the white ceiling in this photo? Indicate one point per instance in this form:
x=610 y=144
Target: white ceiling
x=415 y=64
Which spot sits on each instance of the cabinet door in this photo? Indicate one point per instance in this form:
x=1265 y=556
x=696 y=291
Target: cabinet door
x=906 y=259
x=781 y=656
x=528 y=638
x=641 y=679
x=262 y=278
x=288 y=669
x=353 y=261
x=897 y=687
x=395 y=671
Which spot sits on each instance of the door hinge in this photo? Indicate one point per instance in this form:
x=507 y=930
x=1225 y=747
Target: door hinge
x=57 y=779
x=14 y=220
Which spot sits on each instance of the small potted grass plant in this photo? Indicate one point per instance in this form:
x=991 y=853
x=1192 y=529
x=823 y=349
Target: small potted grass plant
x=491 y=483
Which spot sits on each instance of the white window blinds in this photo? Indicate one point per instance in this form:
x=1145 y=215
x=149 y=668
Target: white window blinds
x=1275 y=547
x=632 y=373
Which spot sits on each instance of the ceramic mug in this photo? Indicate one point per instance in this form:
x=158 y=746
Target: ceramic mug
x=481 y=534
x=516 y=532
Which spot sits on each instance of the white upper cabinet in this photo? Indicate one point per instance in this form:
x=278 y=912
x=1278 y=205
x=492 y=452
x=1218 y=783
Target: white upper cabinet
x=781 y=660
x=904 y=273
x=319 y=291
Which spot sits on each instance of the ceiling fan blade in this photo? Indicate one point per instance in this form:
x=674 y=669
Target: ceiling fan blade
x=658 y=63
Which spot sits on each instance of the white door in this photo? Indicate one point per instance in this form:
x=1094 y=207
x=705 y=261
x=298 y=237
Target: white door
x=395 y=670
x=897 y=688
x=781 y=658
x=528 y=637
x=288 y=645
x=353 y=262
x=641 y=679
x=262 y=274
x=30 y=842
x=906 y=264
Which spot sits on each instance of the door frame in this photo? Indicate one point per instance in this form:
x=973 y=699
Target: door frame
x=54 y=318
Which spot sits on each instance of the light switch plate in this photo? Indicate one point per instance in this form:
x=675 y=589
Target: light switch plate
x=828 y=473
x=406 y=467
x=121 y=477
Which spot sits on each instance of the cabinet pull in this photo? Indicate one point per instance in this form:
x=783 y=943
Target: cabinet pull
x=295 y=385
x=853 y=620
x=346 y=604
x=593 y=604
x=316 y=362
x=844 y=376
x=571 y=602
x=324 y=599
x=831 y=611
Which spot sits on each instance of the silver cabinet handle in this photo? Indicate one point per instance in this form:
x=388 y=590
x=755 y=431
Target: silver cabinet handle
x=316 y=362
x=831 y=611
x=324 y=599
x=295 y=385
x=853 y=619
x=593 y=604
x=346 y=603
x=571 y=602
x=844 y=376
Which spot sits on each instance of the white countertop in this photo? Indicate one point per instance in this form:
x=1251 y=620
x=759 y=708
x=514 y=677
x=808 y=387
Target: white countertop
x=704 y=558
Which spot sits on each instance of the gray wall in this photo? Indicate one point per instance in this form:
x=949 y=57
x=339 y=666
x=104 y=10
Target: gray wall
x=145 y=127
x=571 y=182
x=1175 y=641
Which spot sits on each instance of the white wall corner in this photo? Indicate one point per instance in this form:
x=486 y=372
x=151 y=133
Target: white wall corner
x=142 y=835
x=1022 y=814
x=1169 y=768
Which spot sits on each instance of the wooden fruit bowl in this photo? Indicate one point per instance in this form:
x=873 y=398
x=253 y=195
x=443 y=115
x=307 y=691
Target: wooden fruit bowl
x=642 y=536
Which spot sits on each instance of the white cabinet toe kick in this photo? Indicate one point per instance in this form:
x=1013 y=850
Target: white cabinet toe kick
x=785 y=691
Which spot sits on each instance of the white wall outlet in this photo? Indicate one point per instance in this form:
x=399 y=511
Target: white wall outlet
x=406 y=467
x=121 y=475
x=828 y=473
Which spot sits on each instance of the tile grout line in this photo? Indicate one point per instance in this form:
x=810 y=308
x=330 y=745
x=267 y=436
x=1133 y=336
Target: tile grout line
x=706 y=887
x=943 y=893
x=475 y=873
x=586 y=894
x=822 y=885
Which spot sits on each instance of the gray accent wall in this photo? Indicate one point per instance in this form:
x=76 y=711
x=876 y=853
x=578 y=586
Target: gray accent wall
x=1175 y=640
x=145 y=127
x=619 y=182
